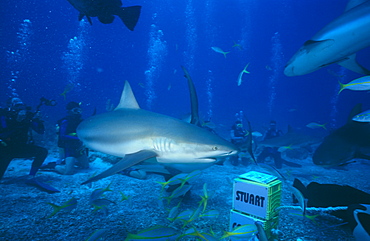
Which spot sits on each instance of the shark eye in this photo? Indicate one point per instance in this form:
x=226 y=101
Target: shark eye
x=215 y=148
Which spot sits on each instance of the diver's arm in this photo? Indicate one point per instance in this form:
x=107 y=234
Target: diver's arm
x=233 y=137
x=5 y=132
x=37 y=124
x=63 y=135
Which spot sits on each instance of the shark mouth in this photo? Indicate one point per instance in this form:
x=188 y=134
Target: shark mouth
x=230 y=153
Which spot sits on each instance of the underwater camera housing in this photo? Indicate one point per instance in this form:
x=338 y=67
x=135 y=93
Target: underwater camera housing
x=47 y=102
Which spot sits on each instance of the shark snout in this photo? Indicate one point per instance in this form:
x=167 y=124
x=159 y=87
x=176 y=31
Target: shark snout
x=289 y=70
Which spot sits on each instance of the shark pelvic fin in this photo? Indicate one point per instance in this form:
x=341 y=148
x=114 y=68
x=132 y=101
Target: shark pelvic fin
x=128 y=99
x=126 y=162
x=351 y=64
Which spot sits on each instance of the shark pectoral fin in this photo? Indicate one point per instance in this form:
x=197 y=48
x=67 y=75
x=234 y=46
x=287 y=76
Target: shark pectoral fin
x=351 y=64
x=128 y=161
x=361 y=155
x=318 y=45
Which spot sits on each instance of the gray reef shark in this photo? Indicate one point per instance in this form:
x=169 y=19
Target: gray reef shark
x=337 y=42
x=344 y=144
x=292 y=139
x=105 y=11
x=137 y=135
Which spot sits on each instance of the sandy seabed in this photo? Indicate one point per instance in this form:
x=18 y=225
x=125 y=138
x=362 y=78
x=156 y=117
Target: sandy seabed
x=24 y=208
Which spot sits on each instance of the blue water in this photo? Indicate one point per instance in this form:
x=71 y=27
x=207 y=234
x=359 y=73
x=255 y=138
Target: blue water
x=46 y=50
x=53 y=50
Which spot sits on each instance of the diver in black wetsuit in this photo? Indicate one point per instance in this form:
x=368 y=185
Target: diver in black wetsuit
x=74 y=151
x=15 y=123
x=273 y=151
x=239 y=138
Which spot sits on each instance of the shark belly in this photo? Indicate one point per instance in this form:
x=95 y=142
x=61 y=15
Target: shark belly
x=129 y=131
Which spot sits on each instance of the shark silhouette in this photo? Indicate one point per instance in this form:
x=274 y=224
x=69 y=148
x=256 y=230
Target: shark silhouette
x=344 y=144
x=292 y=139
x=137 y=135
x=337 y=42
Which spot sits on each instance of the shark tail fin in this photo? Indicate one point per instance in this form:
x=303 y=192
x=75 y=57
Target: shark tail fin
x=225 y=53
x=130 y=16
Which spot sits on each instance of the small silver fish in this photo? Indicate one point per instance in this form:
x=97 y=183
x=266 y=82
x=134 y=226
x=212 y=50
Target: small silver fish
x=219 y=50
x=240 y=77
x=362 y=83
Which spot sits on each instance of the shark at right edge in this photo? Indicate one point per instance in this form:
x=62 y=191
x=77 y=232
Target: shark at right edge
x=348 y=142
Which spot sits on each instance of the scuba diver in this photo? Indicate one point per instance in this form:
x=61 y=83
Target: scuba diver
x=238 y=136
x=74 y=151
x=273 y=152
x=16 y=122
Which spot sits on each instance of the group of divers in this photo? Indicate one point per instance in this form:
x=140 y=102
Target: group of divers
x=17 y=121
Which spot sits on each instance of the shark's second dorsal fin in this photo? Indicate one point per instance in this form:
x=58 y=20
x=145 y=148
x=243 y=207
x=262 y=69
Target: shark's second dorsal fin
x=193 y=99
x=290 y=129
x=128 y=99
x=355 y=111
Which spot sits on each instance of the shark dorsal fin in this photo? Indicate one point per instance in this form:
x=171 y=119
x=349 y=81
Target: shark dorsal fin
x=128 y=99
